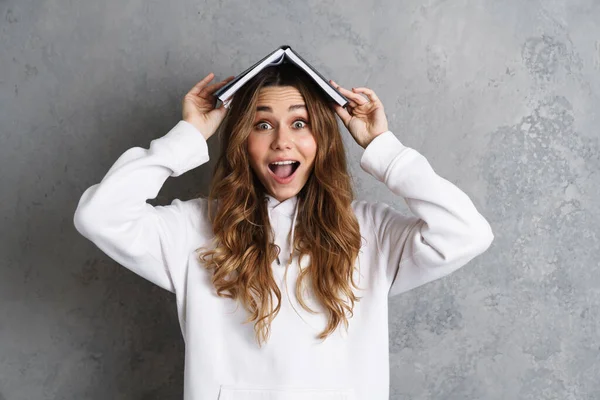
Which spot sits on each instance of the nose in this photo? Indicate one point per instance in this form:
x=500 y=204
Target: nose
x=283 y=138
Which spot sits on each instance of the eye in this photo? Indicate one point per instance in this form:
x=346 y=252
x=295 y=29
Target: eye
x=261 y=124
x=303 y=123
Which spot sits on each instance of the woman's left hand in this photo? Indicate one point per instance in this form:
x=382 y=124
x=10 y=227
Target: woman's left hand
x=364 y=117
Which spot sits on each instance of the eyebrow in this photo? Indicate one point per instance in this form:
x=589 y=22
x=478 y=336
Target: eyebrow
x=292 y=108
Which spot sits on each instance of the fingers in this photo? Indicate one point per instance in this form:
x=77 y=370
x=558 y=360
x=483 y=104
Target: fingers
x=202 y=85
x=358 y=99
x=216 y=86
x=342 y=113
x=368 y=92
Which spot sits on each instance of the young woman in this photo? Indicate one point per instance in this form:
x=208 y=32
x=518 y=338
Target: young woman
x=281 y=235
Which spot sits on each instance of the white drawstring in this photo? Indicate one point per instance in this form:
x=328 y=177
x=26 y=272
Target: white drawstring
x=287 y=293
x=271 y=221
x=290 y=263
x=292 y=235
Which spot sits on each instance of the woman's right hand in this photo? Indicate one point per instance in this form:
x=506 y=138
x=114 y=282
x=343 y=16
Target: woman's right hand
x=199 y=106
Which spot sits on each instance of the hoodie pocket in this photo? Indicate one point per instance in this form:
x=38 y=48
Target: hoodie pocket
x=283 y=393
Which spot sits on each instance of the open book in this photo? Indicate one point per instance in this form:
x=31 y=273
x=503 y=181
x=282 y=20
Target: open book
x=281 y=55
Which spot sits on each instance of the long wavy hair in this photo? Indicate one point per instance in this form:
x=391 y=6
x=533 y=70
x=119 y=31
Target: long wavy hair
x=326 y=229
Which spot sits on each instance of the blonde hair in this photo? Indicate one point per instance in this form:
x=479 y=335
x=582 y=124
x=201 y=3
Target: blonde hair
x=326 y=229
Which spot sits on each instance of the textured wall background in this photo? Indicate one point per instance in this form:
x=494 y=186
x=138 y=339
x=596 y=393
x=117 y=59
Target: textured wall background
x=501 y=97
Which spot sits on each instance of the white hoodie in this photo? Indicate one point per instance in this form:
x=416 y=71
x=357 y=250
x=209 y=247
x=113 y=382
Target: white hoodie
x=222 y=358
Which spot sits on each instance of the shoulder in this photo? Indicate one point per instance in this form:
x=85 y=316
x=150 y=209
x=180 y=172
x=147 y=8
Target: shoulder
x=367 y=214
x=365 y=210
x=194 y=213
x=192 y=206
x=379 y=216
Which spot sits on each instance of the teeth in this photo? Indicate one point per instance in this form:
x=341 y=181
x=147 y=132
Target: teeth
x=283 y=162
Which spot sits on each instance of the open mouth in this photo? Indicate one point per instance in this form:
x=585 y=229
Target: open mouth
x=284 y=171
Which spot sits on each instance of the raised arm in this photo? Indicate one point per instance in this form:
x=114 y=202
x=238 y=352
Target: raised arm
x=113 y=214
x=445 y=231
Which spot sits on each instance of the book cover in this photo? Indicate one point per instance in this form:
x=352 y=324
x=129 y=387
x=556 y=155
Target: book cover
x=283 y=54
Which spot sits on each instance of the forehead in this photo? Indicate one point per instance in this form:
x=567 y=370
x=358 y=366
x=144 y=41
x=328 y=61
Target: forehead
x=279 y=95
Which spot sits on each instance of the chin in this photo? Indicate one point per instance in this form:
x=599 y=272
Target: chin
x=285 y=193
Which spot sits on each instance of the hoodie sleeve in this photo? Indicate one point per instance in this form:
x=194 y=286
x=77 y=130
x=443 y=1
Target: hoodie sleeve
x=446 y=230
x=149 y=240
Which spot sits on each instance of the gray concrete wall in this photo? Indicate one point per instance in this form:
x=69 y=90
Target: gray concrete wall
x=501 y=96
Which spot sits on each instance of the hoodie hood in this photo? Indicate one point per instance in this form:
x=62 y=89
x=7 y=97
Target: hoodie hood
x=286 y=207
